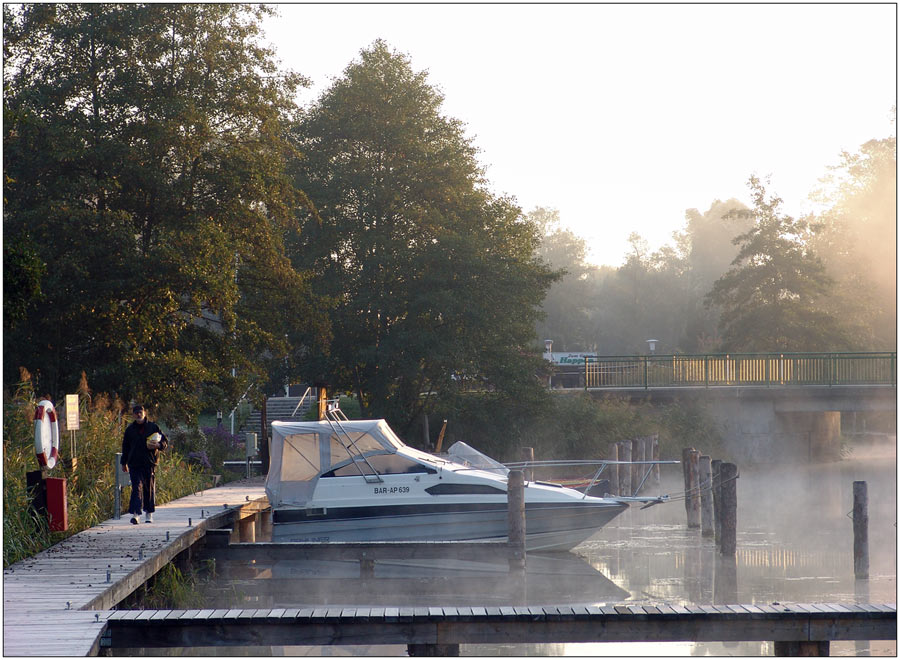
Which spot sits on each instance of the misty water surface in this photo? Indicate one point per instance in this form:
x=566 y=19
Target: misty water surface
x=795 y=544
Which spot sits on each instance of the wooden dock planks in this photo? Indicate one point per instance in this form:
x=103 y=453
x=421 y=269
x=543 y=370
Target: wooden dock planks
x=48 y=598
x=493 y=625
x=58 y=603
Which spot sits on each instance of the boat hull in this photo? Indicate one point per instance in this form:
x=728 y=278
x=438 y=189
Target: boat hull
x=554 y=526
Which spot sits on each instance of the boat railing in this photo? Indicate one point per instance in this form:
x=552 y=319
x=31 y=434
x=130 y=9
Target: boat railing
x=602 y=465
x=335 y=418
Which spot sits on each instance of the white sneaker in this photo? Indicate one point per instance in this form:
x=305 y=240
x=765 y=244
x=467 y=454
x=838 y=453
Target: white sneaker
x=148 y=517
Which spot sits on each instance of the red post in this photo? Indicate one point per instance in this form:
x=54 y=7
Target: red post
x=57 y=507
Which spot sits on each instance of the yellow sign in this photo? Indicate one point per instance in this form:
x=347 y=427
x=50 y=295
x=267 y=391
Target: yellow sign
x=72 y=416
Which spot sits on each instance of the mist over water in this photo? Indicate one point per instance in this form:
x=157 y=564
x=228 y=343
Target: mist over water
x=794 y=545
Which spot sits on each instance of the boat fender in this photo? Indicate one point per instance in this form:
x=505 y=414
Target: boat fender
x=46 y=433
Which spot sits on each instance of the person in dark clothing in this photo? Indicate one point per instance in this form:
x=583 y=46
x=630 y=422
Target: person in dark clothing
x=140 y=452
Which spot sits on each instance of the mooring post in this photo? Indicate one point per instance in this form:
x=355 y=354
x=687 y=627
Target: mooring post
x=625 y=470
x=729 y=474
x=860 y=530
x=686 y=470
x=716 y=466
x=692 y=487
x=654 y=456
x=527 y=454
x=635 y=469
x=614 y=469
x=707 y=521
x=515 y=502
x=645 y=456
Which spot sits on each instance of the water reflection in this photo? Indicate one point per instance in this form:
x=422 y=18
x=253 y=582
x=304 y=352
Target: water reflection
x=549 y=578
x=794 y=545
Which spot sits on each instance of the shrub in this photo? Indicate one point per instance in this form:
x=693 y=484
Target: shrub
x=91 y=488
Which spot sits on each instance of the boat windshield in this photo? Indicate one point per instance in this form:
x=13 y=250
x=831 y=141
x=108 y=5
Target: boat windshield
x=301 y=452
x=462 y=453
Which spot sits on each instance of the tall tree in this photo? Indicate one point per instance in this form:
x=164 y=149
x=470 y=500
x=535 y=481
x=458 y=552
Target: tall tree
x=566 y=317
x=437 y=281
x=709 y=251
x=772 y=298
x=645 y=298
x=859 y=242
x=147 y=200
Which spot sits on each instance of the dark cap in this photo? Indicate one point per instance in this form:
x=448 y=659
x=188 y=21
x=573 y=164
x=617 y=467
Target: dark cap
x=137 y=408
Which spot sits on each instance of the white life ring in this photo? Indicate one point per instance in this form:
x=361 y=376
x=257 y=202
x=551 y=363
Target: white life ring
x=46 y=432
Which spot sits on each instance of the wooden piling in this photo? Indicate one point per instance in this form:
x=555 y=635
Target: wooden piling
x=686 y=471
x=635 y=469
x=515 y=501
x=614 y=469
x=716 y=467
x=691 y=460
x=729 y=474
x=860 y=530
x=645 y=456
x=527 y=454
x=625 y=470
x=707 y=520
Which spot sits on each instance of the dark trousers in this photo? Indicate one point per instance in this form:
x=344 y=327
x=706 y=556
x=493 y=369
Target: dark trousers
x=143 y=490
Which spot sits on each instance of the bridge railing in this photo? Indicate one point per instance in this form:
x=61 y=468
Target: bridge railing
x=740 y=369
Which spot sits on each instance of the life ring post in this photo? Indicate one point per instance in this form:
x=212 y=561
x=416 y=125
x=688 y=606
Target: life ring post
x=46 y=435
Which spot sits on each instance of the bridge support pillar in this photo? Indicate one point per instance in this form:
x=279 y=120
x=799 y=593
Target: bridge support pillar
x=816 y=436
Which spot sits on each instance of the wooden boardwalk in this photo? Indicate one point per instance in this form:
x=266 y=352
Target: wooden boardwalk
x=809 y=625
x=60 y=601
x=48 y=599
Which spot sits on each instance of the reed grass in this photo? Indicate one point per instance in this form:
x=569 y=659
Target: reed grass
x=91 y=488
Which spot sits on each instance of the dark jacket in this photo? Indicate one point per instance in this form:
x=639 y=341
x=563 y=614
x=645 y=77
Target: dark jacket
x=134 y=445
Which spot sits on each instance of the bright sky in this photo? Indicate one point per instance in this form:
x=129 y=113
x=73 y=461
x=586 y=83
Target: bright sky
x=624 y=116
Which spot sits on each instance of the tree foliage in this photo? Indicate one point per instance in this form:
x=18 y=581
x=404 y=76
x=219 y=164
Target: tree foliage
x=859 y=239
x=435 y=279
x=772 y=297
x=146 y=200
x=566 y=318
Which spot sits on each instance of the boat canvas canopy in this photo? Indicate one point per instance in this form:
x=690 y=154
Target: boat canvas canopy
x=301 y=452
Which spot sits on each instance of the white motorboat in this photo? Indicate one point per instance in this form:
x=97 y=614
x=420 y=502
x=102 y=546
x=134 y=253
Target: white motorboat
x=352 y=481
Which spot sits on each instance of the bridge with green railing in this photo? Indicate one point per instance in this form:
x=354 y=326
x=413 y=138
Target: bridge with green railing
x=739 y=370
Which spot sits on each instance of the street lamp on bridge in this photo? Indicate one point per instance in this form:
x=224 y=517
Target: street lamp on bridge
x=651 y=344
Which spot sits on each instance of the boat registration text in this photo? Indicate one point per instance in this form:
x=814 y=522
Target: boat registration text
x=391 y=490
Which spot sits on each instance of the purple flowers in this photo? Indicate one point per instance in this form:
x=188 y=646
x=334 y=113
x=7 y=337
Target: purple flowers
x=199 y=457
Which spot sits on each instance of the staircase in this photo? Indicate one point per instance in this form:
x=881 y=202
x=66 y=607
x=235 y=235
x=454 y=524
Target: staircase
x=279 y=408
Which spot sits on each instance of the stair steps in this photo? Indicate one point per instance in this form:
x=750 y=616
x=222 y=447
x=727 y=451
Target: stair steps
x=279 y=408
